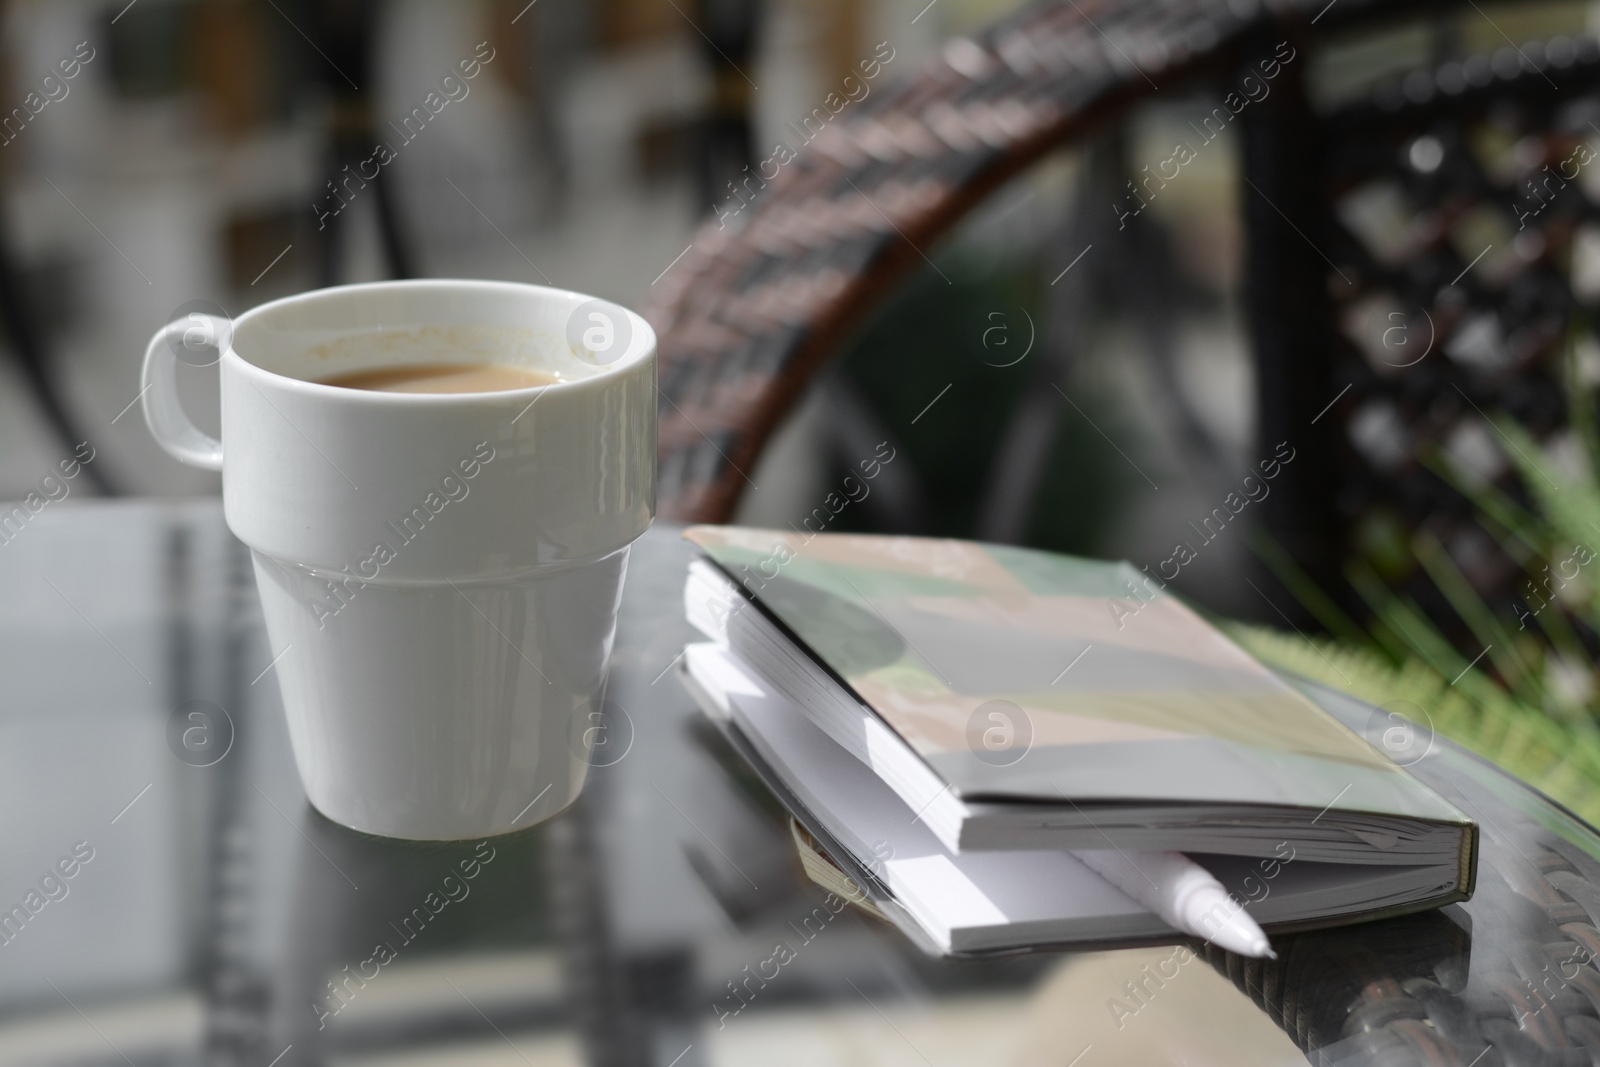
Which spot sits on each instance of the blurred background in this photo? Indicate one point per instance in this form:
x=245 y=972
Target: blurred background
x=190 y=160
x=1060 y=370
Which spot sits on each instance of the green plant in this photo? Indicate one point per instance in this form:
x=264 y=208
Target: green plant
x=1525 y=695
x=1519 y=737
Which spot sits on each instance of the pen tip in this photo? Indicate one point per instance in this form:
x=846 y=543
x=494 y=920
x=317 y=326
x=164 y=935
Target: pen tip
x=1268 y=953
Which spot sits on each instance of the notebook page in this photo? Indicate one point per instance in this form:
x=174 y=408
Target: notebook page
x=946 y=892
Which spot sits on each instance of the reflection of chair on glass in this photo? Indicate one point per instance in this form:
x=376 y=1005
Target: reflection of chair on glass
x=363 y=910
x=1399 y=199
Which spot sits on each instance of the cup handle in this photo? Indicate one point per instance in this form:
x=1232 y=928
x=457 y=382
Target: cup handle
x=158 y=387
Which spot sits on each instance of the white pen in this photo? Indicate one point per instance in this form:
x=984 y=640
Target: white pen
x=1184 y=894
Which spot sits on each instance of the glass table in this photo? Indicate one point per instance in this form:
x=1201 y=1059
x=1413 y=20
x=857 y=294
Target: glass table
x=167 y=896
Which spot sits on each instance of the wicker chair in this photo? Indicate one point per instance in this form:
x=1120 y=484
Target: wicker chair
x=765 y=297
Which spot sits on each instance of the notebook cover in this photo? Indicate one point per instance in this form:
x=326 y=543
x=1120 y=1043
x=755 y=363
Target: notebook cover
x=1019 y=674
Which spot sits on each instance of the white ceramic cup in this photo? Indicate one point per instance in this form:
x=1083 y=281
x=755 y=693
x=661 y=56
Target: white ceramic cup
x=440 y=573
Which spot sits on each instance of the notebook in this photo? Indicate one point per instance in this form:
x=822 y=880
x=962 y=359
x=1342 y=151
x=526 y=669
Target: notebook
x=1019 y=701
x=980 y=903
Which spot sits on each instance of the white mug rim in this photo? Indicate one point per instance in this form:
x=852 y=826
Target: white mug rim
x=644 y=346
